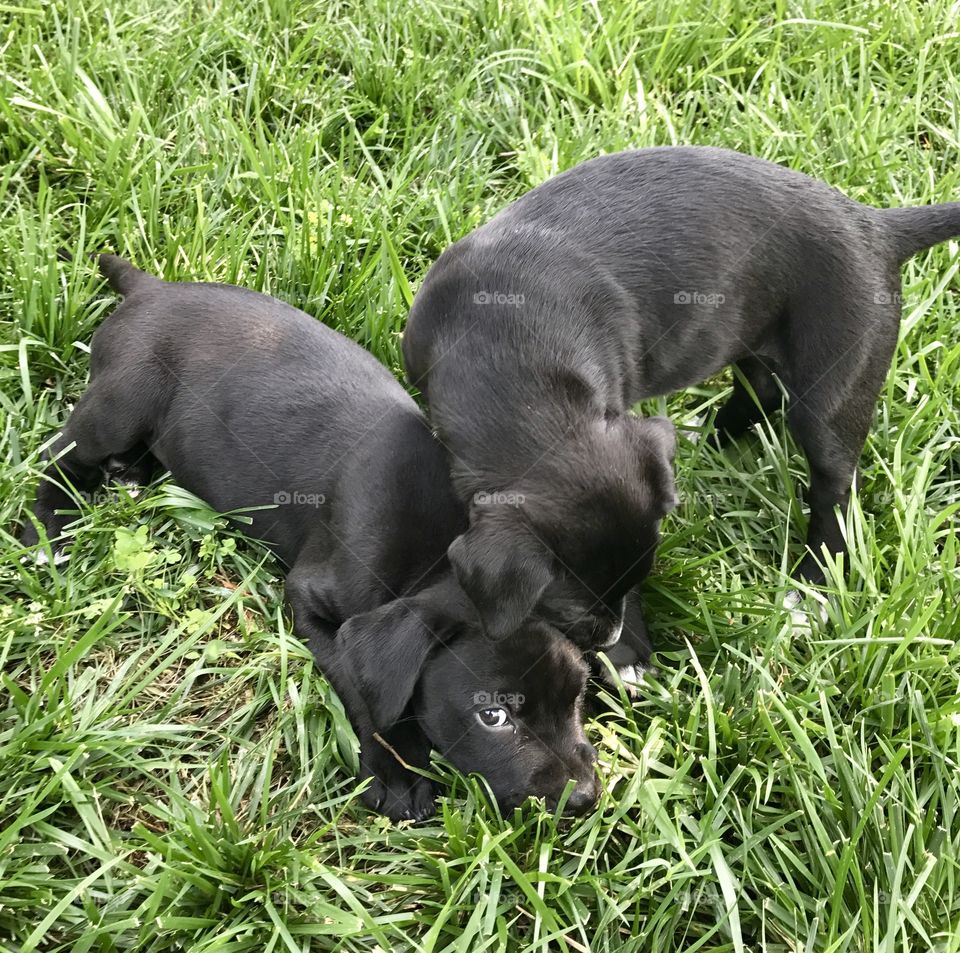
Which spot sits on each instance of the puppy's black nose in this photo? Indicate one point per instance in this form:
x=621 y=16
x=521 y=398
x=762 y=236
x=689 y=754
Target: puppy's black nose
x=583 y=797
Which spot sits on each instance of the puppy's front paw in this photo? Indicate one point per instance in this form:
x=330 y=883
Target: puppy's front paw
x=630 y=676
x=630 y=658
x=693 y=429
x=401 y=795
x=40 y=558
x=59 y=557
x=801 y=618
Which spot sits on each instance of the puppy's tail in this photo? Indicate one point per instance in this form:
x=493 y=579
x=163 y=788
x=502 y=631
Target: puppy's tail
x=123 y=277
x=918 y=227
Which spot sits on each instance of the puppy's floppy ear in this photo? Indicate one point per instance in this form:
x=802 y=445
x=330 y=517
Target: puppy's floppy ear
x=502 y=567
x=658 y=437
x=383 y=652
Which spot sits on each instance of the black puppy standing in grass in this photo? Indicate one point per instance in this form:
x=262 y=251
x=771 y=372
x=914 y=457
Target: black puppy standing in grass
x=630 y=276
x=247 y=402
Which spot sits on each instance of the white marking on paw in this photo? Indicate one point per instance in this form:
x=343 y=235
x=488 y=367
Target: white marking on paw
x=631 y=674
x=694 y=435
x=630 y=677
x=40 y=558
x=792 y=599
x=801 y=618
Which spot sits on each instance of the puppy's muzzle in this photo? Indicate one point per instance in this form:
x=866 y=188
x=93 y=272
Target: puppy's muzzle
x=584 y=796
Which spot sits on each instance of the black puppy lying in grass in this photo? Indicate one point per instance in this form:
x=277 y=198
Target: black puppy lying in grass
x=630 y=276
x=250 y=402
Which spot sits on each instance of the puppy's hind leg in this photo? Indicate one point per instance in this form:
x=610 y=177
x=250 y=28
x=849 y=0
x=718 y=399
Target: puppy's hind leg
x=74 y=461
x=831 y=409
x=755 y=393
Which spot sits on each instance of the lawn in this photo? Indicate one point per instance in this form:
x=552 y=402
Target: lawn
x=175 y=774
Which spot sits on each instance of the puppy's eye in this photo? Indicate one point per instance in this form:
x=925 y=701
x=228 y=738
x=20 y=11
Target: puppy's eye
x=493 y=718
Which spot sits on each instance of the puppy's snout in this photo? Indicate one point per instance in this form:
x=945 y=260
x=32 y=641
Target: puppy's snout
x=583 y=796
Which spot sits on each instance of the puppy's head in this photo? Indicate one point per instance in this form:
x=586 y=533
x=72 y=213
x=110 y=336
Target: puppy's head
x=510 y=711
x=568 y=542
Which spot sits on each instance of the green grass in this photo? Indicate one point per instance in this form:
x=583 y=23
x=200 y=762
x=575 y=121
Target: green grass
x=174 y=773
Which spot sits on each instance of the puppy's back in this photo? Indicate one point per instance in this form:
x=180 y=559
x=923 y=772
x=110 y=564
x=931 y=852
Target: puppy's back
x=227 y=341
x=246 y=398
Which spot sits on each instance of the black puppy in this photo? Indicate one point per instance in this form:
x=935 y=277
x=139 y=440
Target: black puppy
x=630 y=276
x=250 y=402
